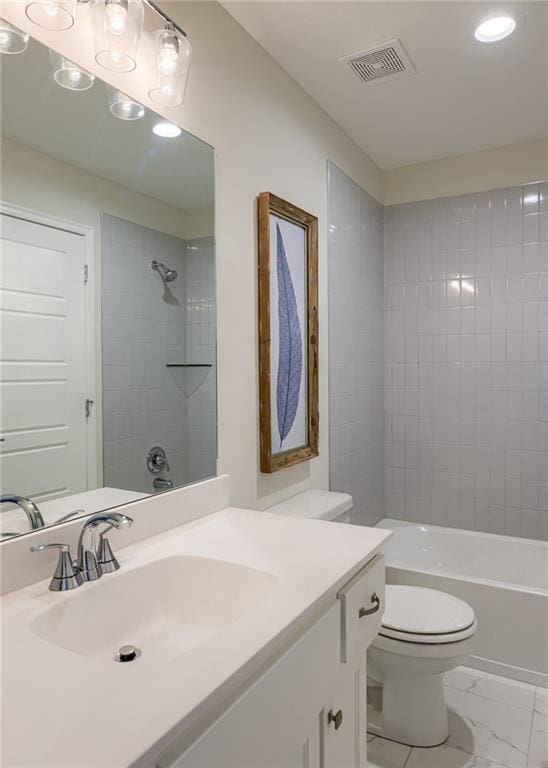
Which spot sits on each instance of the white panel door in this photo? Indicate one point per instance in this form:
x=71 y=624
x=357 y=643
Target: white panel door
x=42 y=360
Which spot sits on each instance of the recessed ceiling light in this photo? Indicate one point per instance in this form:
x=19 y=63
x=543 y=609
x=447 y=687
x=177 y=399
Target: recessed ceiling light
x=166 y=130
x=495 y=28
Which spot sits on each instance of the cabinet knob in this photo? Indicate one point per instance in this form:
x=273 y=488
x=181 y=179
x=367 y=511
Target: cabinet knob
x=368 y=611
x=336 y=718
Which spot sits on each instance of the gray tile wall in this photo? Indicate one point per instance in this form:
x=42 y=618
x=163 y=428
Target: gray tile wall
x=466 y=361
x=145 y=403
x=356 y=345
x=200 y=342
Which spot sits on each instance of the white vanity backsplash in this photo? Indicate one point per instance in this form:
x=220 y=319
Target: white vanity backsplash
x=154 y=514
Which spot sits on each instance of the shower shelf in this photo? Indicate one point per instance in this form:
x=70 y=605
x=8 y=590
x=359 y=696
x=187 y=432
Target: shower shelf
x=189 y=376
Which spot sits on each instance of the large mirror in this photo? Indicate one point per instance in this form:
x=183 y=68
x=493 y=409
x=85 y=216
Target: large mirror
x=107 y=284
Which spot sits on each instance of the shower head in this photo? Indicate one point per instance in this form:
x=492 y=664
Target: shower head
x=167 y=275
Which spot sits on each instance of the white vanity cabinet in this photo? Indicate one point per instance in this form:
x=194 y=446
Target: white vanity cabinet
x=308 y=709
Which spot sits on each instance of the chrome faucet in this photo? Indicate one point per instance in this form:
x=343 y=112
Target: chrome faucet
x=93 y=554
x=94 y=557
x=34 y=516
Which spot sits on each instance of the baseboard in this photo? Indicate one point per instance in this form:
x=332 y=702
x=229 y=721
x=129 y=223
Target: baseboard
x=506 y=670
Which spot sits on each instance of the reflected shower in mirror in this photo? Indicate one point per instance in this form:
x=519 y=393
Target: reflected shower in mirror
x=107 y=285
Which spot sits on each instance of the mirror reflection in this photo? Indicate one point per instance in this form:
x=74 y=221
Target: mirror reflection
x=107 y=284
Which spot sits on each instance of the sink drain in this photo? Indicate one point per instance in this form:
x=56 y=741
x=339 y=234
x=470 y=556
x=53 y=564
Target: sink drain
x=127 y=653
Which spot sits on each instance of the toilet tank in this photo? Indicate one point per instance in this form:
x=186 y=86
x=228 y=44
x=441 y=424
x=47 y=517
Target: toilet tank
x=320 y=505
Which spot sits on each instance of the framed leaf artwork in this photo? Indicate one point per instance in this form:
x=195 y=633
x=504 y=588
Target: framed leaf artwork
x=288 y=333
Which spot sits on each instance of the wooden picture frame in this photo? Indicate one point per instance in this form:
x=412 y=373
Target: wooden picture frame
x=288 y=314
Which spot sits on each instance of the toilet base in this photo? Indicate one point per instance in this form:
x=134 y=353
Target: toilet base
x=413 y=711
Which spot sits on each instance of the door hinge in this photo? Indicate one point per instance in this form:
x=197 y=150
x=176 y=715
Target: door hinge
x=86 y=273
x=88 y=406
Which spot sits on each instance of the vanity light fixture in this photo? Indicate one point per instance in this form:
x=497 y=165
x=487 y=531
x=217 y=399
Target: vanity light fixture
x=494 y=28
x=173 y=56
x=69 y=75
x=12 y=40
x=124 y=108
x=166 y=130
x=56 y=15
x=117 y=27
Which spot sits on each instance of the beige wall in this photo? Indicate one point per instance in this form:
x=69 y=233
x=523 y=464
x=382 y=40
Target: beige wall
x=475 y=172
x=44 y=184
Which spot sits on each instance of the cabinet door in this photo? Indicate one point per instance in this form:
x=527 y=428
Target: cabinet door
x=242 y=748
x=275 y=723
x=343 y=722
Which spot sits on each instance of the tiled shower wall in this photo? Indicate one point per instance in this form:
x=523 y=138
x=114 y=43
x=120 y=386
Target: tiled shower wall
x=200 y=340
x=145 y=327
x=356 y=345
x=466 y=361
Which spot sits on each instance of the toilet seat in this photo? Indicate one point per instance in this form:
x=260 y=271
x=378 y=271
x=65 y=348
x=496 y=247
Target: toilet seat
x=425 y=616
x=450 y=637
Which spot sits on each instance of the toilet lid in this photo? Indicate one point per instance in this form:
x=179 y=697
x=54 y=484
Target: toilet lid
x=422 y=611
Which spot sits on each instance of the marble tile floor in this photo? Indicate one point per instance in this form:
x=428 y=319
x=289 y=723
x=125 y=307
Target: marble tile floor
x=494 y=722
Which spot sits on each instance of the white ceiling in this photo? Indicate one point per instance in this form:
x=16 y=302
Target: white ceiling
x=77 y=127
x=466 y=96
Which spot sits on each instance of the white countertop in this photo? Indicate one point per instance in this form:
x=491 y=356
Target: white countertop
x=65 y=709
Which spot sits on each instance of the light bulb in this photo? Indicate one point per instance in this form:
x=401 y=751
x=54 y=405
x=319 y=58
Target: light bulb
x=168 y=55
x=116 y=15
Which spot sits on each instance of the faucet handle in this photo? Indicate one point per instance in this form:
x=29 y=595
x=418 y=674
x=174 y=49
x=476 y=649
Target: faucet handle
x=106 y=559
x=66 y=576
x=69 y=515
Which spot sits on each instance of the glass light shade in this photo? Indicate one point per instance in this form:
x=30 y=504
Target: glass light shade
x=173 y=58
x=52 y=14
x=12 y=40
x=124 y=108
x=69 y=75
x=117 y=27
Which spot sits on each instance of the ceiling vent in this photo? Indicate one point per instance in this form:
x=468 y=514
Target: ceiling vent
x=380 y=63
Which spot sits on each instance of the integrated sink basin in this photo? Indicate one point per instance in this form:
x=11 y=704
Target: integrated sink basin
x=164 y=607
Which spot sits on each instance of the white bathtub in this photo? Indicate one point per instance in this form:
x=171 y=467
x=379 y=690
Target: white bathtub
x=505 y=580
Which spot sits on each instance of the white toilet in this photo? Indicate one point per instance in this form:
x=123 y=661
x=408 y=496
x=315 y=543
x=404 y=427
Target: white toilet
x=424 y=634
